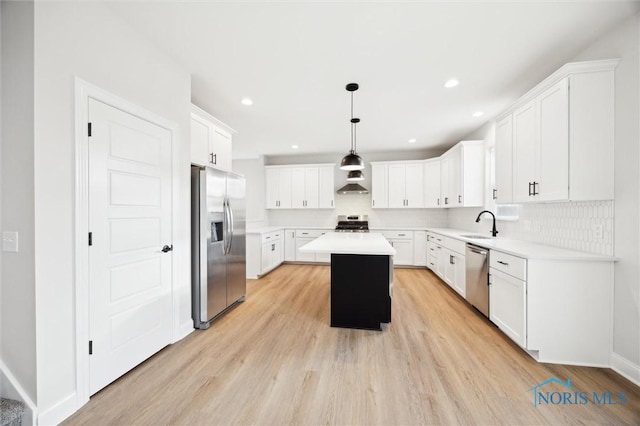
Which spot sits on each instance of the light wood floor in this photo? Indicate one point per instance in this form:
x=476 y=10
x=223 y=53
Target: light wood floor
x=274 y=360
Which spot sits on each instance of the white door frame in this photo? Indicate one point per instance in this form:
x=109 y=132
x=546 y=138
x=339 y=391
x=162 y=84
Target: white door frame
x=83 y=92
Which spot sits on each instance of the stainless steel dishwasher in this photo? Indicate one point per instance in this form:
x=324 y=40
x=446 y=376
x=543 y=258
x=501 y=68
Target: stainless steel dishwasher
x=477 y=277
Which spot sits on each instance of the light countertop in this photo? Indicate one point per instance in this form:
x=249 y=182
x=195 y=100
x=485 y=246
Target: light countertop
x=267 y=229
x=520 y=248
x=350 y=243
x=264 y=229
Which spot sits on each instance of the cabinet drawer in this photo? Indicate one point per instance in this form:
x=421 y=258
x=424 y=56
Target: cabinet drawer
x=512 y=265
x=310 y=233
x=398 y=235
x=455 y=245
x=271 y=236
x=435 y=238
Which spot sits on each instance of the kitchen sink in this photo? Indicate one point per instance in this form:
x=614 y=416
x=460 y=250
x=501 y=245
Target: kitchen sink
x=476 y=237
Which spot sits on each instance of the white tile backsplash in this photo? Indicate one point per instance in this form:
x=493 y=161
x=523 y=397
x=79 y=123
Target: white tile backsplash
x=570 y=225
x=359 y=204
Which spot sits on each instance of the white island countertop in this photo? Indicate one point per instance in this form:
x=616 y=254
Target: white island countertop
x=350 y=243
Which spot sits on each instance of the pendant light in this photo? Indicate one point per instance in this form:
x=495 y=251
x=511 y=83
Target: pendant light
x=352 y=161
x=355 y=176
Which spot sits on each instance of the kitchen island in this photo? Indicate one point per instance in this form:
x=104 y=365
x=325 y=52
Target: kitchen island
x=361 y=277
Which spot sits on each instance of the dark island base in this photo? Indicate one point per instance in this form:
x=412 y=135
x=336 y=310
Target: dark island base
x=360 y=290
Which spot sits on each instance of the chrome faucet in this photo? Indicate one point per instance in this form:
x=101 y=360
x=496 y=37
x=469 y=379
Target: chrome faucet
x=494 y=231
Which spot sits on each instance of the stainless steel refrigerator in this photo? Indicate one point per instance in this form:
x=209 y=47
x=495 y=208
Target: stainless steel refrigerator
x=218 y=243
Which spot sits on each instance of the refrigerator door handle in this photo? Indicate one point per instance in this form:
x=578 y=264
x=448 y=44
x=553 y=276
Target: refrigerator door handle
x=226 y=226
x=230 y=232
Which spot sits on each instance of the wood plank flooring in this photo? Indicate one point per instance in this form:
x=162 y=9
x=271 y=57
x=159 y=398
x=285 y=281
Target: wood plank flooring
x=274 y=360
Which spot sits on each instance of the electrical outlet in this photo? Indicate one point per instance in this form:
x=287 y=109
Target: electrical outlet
x=598 y=232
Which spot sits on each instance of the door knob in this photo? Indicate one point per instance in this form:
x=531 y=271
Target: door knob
x=167 y=248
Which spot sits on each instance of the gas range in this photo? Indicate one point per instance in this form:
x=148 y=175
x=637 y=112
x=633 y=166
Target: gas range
x=353 y=223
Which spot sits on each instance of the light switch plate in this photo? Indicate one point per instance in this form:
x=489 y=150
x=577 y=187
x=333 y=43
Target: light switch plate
x=10 y=241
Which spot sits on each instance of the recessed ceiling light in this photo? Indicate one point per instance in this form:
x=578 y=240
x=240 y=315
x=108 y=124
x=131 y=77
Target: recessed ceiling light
x=478 y=114
x=451 y=83
x=294 y=146
x=246 y=101
x=412 y=141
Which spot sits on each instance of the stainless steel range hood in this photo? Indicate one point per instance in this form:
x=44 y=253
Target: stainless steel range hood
x=353 y=188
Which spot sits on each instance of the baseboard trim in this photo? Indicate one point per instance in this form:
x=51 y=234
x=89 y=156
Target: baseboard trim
x=186 y=328
x=15 y=385
x=625 y=368
x=58 y=412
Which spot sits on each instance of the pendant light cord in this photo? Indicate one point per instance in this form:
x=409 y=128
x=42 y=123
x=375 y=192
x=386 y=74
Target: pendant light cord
x=355 y=139
x=352 y=126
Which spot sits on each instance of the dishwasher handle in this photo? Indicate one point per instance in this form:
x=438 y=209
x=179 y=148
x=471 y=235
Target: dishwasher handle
x=477 y=251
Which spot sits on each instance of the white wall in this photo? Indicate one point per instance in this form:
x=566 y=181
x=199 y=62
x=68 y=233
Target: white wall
x=624 y=43
x=253 y=171
x=356 y=203
x=87 y=40
x=17 y=305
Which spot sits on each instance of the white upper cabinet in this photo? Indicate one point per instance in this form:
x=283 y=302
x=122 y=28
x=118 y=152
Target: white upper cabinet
x=462 y=175
x=503 y=191
x=379 y=186
x=524 y=152
x=300 y=186
x=541 y=147
x=304 y=187
x=278 y=187
x=414 y=184
x=431 y=170
x=210 y=141
x=562 y=137
x=326 y=187
x=406 y=180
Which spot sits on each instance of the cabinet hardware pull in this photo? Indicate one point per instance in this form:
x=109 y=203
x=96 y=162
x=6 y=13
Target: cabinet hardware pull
x=503 y=263
x=495 y=194
x=451 y=260
x=535 y=192
x=438 y=201
x=446 y=200
x=214 y=158
x=373 y=203
x=459 y=199
x=401 y=235
x=530 y=185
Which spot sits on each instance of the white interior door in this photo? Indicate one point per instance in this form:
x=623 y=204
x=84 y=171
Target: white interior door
x=130 y=222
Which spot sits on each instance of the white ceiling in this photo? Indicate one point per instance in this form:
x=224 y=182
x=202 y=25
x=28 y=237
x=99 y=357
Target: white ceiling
x=295 y=58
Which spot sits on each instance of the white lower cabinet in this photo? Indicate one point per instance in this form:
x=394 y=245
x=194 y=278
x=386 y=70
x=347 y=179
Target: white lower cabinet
x=272 y=255
x=402 y=241
x=304 y=257
x=265 y=252
x=420 y=248
x=558 y=310
x=304 y=236
x=454 y=271
x=446 y=259
x=290 y=245
x=508 y=309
